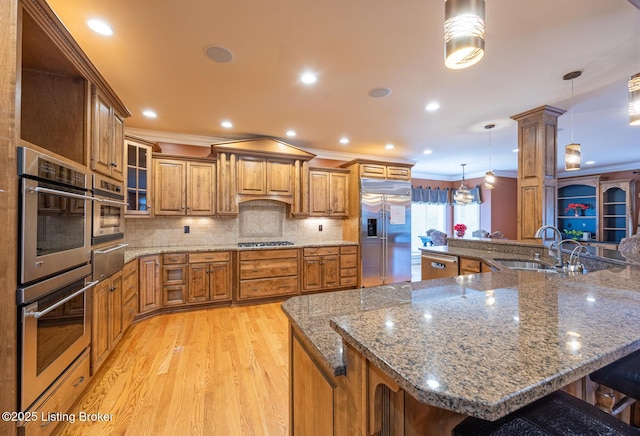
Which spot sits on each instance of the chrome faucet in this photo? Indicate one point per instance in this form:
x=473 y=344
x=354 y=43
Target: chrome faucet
x=576 y=265
x=557 y=239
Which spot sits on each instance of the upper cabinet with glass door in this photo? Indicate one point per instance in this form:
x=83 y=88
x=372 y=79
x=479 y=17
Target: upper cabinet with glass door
x=138 y=156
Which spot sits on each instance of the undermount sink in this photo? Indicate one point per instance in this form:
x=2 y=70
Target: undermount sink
x=528 y=265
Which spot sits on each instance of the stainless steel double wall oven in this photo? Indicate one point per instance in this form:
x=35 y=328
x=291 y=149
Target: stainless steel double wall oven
x=54 y=304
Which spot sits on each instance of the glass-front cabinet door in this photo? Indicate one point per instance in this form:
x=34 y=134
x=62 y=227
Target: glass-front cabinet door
x=138 y=177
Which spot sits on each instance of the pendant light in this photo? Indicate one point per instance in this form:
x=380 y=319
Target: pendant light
x=572 y=151
x=463 y=32
x=463 y=194
x=490 y=177
x=634 y=100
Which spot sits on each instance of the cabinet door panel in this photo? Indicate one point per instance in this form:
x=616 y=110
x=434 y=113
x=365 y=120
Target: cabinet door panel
x=252 y=176
x=101 y=138
x=169 y=189
x=149 y=286
x=220 y=281
x=312 y=273
x=279 y=178
x=331 y=270
x=117 y=149
x=115 y=320
x=338 y=195
x=100 y=324
x=200 y=188
x=199 y=278
x=318 y=193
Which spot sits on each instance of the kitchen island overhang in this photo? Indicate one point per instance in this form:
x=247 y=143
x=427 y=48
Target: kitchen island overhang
x=481 y=345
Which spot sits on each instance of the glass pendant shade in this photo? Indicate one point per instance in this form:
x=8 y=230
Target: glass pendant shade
x=489 y=180
x=572 y=157
x=463 y=32
x=634 y=100
x=463 y=194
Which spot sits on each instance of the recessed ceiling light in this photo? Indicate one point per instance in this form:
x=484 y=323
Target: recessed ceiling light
x=433 y=106
x=389 y=146
x=379 y=92
x=218 y=54
x=428 y=151
x=515 y=150
x=226 y=124
x=590 y=162
x=344 y=140
x=100 y=27
x=149 y=114
x=291 y=133
x=308 y=78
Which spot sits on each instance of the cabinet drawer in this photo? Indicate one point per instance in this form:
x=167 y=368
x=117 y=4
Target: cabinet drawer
x=373 y=170
x=172 y=259
x=130 y=267
x=174 y=275
x=349 y=249
x=251 y=289
x=268 y=254
x=321 y=251
x=62 y=398
x=470 y=265
x=348 y=281
x=214 y=256
x=129 y=311
x=129 y=286
x=348 y=261
x=348 y=272
x=398 y=173
x=258 y=269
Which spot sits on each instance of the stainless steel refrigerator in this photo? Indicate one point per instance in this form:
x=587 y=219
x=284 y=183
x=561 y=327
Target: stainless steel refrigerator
x=385 y=231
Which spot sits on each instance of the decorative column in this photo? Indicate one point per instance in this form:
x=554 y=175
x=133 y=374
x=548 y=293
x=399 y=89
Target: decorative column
x=537 y=169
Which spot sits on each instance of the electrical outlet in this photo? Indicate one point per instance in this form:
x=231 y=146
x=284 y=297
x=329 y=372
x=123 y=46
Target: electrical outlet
x=319 y=227
x=187 y=229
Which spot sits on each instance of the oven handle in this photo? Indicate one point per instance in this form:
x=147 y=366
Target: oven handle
x=119 y=203
x=117 y=247
x=40 y=314
x=63 y=193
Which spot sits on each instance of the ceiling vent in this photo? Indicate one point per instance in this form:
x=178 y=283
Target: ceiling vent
x=218 y=54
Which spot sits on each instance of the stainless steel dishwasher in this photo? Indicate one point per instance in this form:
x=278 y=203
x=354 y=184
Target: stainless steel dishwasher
x=436 y=266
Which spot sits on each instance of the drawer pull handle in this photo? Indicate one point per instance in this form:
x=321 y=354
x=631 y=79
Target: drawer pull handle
x=79 y=381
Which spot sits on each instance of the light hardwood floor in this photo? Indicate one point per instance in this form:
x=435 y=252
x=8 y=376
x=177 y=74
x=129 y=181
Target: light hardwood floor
x=221 y=371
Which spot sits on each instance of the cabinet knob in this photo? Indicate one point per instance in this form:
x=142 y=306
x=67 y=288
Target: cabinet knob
x=114 y=164
x=112 y=289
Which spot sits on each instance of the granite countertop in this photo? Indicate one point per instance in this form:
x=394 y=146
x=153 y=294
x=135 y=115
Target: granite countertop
x=133 y=253
x=484 y=344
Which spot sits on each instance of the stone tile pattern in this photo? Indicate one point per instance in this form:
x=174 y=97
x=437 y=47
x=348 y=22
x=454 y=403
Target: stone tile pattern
x=169 y=231
x=484 y=344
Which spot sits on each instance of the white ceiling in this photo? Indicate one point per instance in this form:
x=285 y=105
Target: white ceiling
x=155 y=59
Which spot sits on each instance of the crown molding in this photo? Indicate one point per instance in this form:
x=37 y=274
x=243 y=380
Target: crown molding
x=593 y=171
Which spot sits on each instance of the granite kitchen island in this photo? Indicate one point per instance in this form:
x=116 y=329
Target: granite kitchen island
x=417 y=358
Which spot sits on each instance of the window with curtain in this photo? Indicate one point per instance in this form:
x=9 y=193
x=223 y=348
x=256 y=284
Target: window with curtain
x=468 y=215
x=424 y=217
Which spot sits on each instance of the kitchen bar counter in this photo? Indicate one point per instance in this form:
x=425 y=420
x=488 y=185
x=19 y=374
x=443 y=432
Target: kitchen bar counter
x=133 y=253
x=480 y=345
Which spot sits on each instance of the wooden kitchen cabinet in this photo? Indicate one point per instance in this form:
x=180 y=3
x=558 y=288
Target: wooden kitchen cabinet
x=618 y=206
x=268 y=273
x=328 y=193
x=472 y=266
x=150 y=288
x=107 y=143
x=209 y=277
x=320 y=268
x=183 y=187
x=380 y=170
x=138 y=177
x=349 y=266
x=174 y=279
x=129 y=293
x=107 y=326
x=263 y=176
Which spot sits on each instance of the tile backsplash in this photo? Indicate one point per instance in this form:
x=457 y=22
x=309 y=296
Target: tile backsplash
x=258 y=221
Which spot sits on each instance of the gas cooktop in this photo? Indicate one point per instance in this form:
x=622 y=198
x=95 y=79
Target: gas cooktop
x=265 y=244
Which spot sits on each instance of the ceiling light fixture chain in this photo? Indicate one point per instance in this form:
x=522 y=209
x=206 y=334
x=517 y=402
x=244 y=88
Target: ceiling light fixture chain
x=572 y=151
